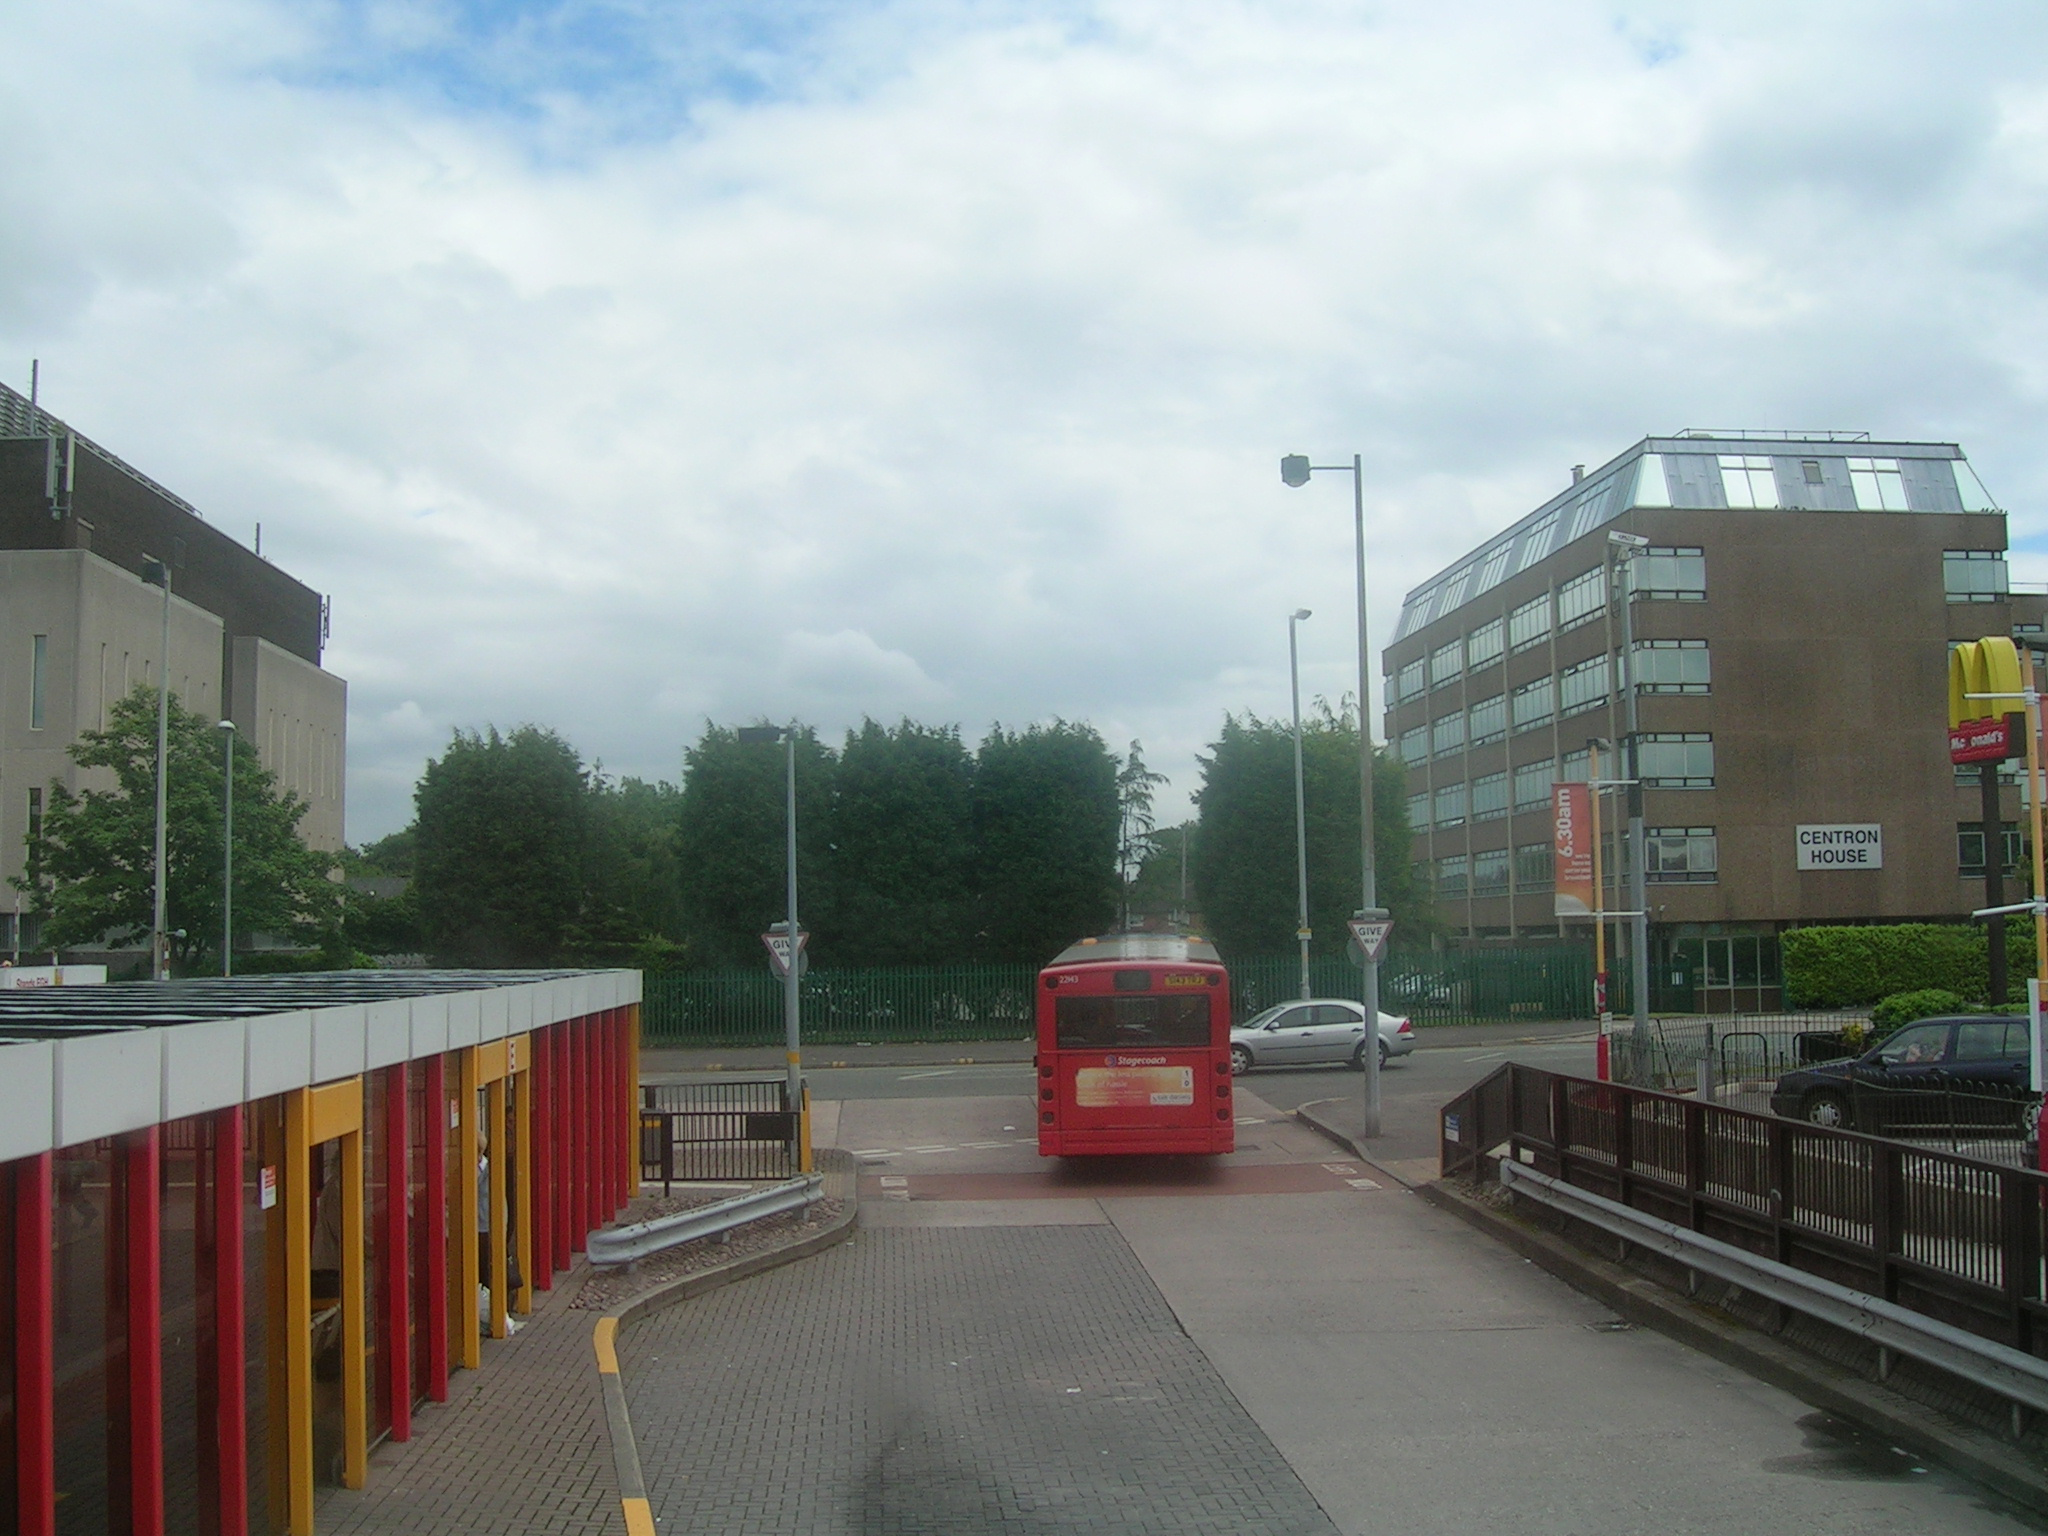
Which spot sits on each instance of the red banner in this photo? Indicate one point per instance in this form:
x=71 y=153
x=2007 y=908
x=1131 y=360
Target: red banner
x=1571 y=813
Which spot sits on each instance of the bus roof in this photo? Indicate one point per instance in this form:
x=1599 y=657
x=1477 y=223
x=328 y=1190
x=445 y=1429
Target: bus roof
x=1172 y=948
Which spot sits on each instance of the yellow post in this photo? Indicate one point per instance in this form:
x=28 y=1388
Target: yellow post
x=522 y=1187
x=296 y=1204
x=468 y=1324
x=2034 y=788
x=494 y=1107
x=355 y=1387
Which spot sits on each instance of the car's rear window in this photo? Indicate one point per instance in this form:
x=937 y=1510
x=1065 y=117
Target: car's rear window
x=1084 y=1023
x=1991 y=1040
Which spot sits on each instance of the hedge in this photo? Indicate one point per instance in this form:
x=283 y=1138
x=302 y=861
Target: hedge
x=1854 y=967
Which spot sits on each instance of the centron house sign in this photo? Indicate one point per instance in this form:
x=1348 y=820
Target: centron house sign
x=1854 y=846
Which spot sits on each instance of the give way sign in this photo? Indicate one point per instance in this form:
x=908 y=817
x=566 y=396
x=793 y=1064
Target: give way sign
x=1370 y=935
x=777 y=940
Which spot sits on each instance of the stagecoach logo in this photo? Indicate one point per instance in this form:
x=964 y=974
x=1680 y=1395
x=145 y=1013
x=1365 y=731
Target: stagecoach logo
x=1134 y=1061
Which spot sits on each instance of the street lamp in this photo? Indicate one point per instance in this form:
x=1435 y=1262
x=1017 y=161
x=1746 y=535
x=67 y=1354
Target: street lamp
x=1626 y=546
x=157 y=573
x=1295 y=470
x=227 y=862
x=761 y=735
x=1301 y=928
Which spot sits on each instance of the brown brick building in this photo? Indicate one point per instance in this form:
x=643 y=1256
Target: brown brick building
x=1792 y=615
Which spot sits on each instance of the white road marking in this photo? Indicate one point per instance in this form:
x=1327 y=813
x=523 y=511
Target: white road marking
x=1340 y=1169
x=895 y=1183
x=983 y=1146
x=910 y=1077
x=1364 y=1183
x=931 y=1149
x=874 y=1152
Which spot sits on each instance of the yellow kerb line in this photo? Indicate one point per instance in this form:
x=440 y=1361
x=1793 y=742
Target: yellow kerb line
x=639 y=1518
x=601 y=1340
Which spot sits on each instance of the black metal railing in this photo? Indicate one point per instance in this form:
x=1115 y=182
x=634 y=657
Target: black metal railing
x=734 y=1128
x=1955 y=1237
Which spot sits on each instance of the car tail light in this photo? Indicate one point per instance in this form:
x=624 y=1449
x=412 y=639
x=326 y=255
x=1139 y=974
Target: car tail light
x=1405 y=1029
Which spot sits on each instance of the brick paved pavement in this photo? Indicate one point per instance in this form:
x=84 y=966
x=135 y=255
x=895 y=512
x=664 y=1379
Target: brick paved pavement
x=520 y=1446
x=949 y=1380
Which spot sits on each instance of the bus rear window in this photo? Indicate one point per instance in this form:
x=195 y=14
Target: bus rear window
x=1085 y=1023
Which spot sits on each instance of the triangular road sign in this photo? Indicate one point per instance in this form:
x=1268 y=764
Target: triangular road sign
x=778 y=951
x=1370 y=935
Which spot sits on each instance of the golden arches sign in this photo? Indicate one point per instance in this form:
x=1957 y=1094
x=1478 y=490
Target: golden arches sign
x=1983 y=680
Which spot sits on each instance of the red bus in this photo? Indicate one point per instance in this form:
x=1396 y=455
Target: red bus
x=1134 y=1048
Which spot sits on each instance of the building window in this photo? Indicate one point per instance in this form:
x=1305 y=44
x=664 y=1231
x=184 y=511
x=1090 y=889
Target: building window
x=1446 y=662
x=1680 y=856
x=1574 y=770
x=1809 y=471
x=1676 y=760
x=1489 y=719
x=1970 y=849
x=1535 y=866
x=1536 y=541
x=1415 y=744
x=38 y=680
x=1529 y=624
x=1447 y=732
x=1974 y=575
x=1493 y=567
x=1582 y=687
x=1451 y=877
x=1408 y=682
x=1672 y=573
x=1652 y=489
x=1532 y=785
x=1535 y=703
x=1490 y=797
x=1450 y=805
x=1971 y=489
x=1578 y=600
x=1418 y=811
x=1490 y=873
x=1673 y=666
x=35 y=816
x=1484 y=644
x=1748 y=481
x=1878 y=485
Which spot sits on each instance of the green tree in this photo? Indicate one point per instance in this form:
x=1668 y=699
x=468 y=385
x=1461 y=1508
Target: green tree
x=631 y=909
x=1135 y=841
x=902 y=844
x=91 y=867
x=730 y=839
x=499 y=835
x=1243 y=865
x=1157 y=890
x=1045 y=831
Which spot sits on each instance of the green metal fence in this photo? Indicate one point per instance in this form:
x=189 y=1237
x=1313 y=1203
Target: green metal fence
x=994 y=1002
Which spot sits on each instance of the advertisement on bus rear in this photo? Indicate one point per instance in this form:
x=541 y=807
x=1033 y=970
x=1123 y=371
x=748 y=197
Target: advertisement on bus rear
x=1132 y=1087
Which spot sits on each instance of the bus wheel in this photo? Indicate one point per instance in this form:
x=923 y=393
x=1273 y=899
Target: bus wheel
x=1240 y=1061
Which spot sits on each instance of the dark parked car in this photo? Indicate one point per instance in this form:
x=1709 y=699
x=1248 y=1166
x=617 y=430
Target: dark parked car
x=1967 y=1070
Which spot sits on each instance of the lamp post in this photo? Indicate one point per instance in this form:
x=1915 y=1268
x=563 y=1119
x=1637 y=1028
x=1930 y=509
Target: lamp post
x=751 y=735
x=1295 y=470
x=1628 y=546
x=1301 y=929
x=227 y=859
x=157 y=573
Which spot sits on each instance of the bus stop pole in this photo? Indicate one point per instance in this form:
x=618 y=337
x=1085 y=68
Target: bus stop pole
x=1370 y=1120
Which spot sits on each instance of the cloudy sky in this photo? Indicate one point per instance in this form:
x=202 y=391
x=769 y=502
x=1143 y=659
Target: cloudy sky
x=622 y=365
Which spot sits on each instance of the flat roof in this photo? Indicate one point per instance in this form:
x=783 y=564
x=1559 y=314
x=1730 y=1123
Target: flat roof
x=1170 y=947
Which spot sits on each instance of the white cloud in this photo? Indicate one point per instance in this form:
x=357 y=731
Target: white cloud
x=947 y=375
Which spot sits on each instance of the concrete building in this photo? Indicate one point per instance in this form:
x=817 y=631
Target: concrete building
x=1792 y=619
x=79 y=628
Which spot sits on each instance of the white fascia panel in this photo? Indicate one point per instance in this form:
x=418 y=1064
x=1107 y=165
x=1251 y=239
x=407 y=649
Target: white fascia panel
x=387 y=1031
x=632 y=986
x=493 y=1016
x=465 y=1019
x=107 y=1084
x=206 y=1067
x=280 y=1053
x=338 y=1043
x=581 y=997
x=429 y=1026
x=28 y=1098
x=518 y=1010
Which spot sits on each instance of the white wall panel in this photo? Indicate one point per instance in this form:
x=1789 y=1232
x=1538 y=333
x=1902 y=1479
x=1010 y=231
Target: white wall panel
x=280 y=1053
x=28 y=1102
x=339 y=1043
x=429 y=1026
x=206 y=1067
x=107 y=1084
x=387 y=1033
x=465 y=1019
x=492 y=1016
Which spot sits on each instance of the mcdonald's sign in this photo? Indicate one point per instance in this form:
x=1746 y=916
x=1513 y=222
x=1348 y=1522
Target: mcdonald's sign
x=1981 y=675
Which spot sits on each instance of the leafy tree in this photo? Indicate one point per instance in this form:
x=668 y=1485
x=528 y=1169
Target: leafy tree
x=1045 y=839
x=1244 y=869
x=1156 y=892
x=499 y=843
x=91 y=868
x=729 y=844
x=1135 y=842
x=902 y=843
x=631 y=911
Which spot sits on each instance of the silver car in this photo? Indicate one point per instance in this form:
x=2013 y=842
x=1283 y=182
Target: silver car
x=1316 y=1029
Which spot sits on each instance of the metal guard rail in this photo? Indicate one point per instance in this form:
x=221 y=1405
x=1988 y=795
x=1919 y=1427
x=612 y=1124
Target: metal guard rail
x=2011 y=1373
x=622 y=1245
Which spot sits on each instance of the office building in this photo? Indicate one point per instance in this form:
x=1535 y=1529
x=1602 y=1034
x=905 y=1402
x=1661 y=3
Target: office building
x=1792 y=615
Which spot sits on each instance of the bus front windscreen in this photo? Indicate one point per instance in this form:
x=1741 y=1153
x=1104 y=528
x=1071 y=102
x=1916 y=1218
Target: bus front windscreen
x=1089 y=1023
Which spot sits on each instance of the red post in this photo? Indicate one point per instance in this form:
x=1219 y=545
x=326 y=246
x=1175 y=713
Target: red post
x=35 y=1348
x=230 y=1351
x=431 y=1232
x=608 y=1164
x=393 y=1248
x=140 y=1152
x=622 y=1108
x=540 y=1078
x=563 y=1099
x=579 y=1135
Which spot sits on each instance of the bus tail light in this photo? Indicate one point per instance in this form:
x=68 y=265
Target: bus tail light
x=1223 y=1090
x=1046 y=1118
x=1045 y=1094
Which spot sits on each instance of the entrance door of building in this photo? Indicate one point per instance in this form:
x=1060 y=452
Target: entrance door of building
x=1741 y=975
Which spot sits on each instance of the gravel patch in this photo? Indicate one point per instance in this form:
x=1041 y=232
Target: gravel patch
x=605 y=1289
